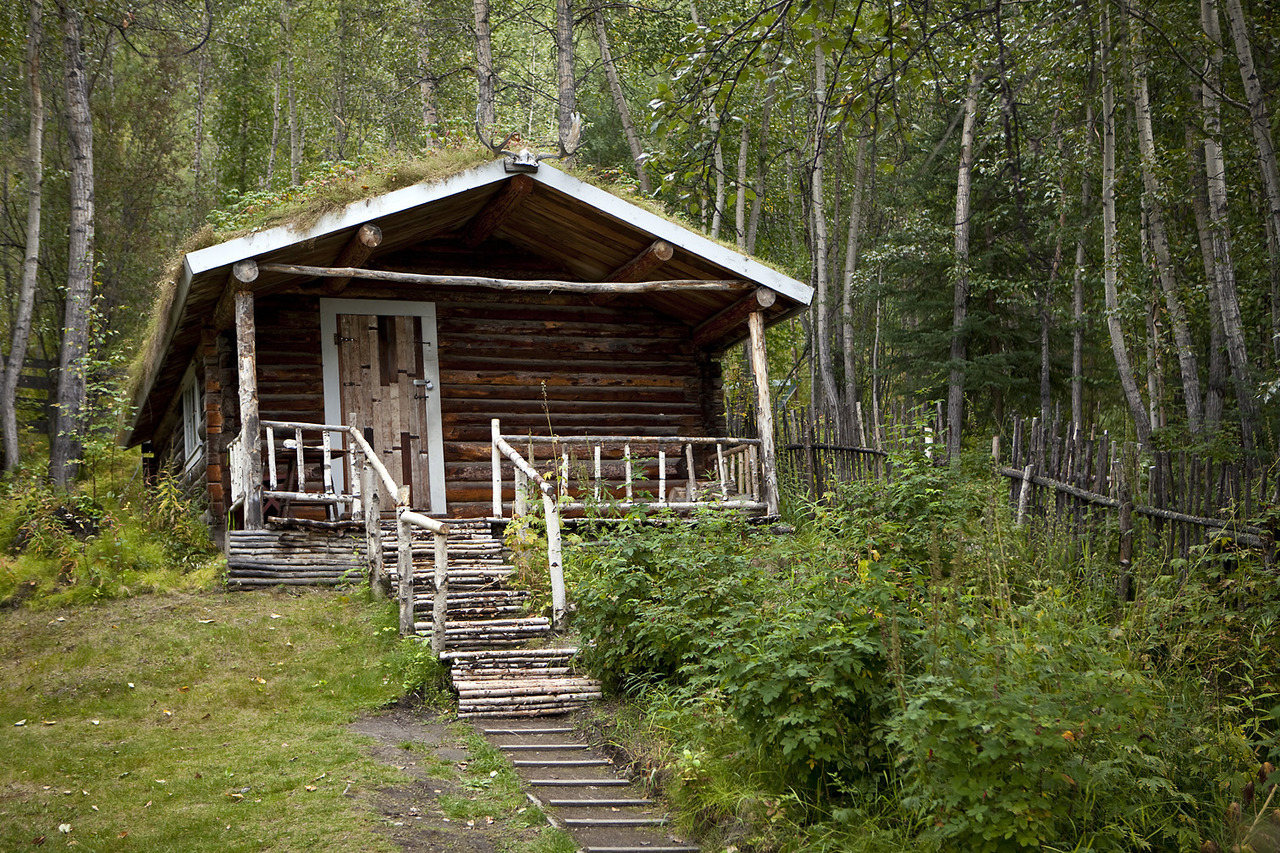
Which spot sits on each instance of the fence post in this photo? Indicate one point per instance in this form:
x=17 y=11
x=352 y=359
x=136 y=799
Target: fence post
x=1024 y=495
x=1128 y=467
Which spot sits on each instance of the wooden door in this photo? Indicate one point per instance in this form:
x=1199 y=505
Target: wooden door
x=386 y=376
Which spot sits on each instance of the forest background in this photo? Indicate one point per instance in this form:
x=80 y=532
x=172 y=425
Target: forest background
x=1034 y=205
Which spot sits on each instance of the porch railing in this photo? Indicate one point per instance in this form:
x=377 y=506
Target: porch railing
x=370 y=480
x=620 y=473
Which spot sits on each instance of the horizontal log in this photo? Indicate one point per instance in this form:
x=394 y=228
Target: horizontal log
x=1246 y=534
x=630 y=439
x=548 y=285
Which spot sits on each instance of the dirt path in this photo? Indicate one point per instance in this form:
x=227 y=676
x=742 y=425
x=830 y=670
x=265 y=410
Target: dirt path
x=425 y=745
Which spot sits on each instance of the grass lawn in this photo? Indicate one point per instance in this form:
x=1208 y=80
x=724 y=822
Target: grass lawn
x=194 y=722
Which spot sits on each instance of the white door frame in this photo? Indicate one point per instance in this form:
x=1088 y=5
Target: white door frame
x=333 y=414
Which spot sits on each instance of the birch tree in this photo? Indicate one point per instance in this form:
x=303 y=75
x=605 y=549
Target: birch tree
x=69 y=399
x=11 y=370
x=960 y=283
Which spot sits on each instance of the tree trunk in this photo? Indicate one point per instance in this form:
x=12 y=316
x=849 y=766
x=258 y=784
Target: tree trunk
x=11 y=371
x=427 y=83
x=486 y=99
x=960 y=292
x=822 y=279
x=295 y=129
x=64 y=449
x=1110 y=261
x=1216 y=183
x=197 y=156
x=1077 y=292
x=853 y=241
x=740 y=189
x=1216 y=387
x=1159 y=240
x=1260 y=124
x=620 y=102
x=566 y=88
x=762 y=162
x=275 y=127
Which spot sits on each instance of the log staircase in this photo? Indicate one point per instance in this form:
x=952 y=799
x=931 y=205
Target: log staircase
x=499 y=659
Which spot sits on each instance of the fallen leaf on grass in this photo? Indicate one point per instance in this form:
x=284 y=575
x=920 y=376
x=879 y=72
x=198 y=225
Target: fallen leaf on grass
x=49 y=722
x=276 y=616
x=184 y=688
x=37 y=841
x=259 y=679
x=64 y=828
x=20 y=723
x=311 y=787
x=148 y=805
x=123 y=833
x=206 y=621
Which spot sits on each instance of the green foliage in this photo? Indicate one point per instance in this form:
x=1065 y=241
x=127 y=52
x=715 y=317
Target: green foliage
x=58 y=548
x=417 y=670
x=1034 y=728
x=907 y=657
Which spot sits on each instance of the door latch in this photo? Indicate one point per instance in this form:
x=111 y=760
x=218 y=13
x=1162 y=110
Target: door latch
x=424 y=383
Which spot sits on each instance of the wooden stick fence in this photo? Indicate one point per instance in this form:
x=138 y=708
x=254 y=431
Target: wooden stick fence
x=1068 y=482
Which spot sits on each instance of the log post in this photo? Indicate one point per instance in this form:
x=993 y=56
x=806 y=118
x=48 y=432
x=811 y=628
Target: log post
x=764 y=410
x=440 y=607
x=404 y=562
x=496 y=433
x=555 y=563
x=247 y=374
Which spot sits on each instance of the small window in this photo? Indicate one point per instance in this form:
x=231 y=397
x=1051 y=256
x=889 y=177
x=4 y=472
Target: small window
x=190 y=423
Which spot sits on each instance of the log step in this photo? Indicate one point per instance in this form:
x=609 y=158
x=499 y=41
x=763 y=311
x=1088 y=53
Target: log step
x=532 y=730
x=579 y=783
x=614 y=821
x=601 y=803
x=561 y=762
x=646 y=848
x=521 y=747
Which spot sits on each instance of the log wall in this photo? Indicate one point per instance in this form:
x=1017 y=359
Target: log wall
x=538 y=362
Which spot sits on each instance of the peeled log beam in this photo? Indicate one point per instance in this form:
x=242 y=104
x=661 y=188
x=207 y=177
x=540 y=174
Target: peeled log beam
x=730 y=318
x=726 y=284
x=657 y=254
x=498 y=210
x=355 y=253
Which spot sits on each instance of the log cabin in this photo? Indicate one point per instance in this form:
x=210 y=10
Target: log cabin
x=505 y=326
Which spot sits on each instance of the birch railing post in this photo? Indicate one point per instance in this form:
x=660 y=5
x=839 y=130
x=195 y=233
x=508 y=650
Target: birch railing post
x=379 y=583
x=555 y=563
x=519 y=504
x=404 y=562
x=495 y=431
x=440 y=607
x=662 y=475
